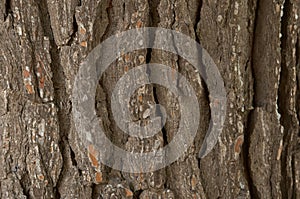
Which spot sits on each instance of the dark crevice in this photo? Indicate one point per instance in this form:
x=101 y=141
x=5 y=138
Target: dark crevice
x=60 y=94
x=153 y=22
x=25 y=179
x=148 y=55
x=298 y=81
x=75 y=30
x=283 y=100
x=109 y=16
x=96 y=191
x=73 y=158
x=198 y=17
x=253 y=49
x=197 y=38
x=159 y=112
x=246 y=155
x=124 y=10
x=249 y=123
x=24 y=184
x=136 y=194
x=103 y=21
x=8 y=9
x=174 y=17
x=153 y=13
x=203 y=77
x=94 y=194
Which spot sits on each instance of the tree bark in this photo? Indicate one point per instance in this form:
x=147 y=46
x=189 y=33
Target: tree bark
x=255 y=45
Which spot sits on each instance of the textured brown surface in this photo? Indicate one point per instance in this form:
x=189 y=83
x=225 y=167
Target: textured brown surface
x=256 y=46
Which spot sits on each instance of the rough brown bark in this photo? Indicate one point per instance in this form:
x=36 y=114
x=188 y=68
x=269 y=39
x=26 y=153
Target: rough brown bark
x=256 y=46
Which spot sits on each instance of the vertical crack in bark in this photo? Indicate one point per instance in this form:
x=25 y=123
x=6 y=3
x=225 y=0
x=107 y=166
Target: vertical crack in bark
x=298 y=80
x=198 y=18
x=282 y=102
x=246 y=155
x=197 y=37
x=249 y=125
x=282 y=108
x=25 y=178
x=206 y=92
x=153 y=15
x=163 y=130
x=153 y=22
x=7 y=9
x=108 y=27
x=75 y=30
x=60 y=94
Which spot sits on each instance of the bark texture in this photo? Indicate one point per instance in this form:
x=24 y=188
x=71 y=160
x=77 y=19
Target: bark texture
x=256 y=46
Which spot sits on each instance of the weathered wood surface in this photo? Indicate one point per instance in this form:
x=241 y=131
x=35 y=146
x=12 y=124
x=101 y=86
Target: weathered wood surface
x=256 y=46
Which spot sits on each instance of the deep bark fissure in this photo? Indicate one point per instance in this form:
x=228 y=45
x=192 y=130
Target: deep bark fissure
x=75 y=30
x=249 y=125
x=298 y=80
x=60 y=94
x=7 y=9
x=25 y=178
x=153 y=22
x=198 y=18
x=24 y=181
x=153 y=13
x=163 y=129
x=282 y=102
x=136 y=194
x=257 y=11
x=108 y=27
x=246 y=155
x=73 y=159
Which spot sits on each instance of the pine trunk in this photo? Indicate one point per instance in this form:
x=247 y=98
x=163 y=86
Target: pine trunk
x=255 y=45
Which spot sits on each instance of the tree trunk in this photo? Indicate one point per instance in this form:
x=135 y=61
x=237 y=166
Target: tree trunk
x=255 y=45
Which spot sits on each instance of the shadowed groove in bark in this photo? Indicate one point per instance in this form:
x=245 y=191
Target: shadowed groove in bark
x=198 y=18
x=108 y=27
x=282 y=101
x=25 y=179
x=206 y=92
x=249 y=125
x=60 y=95
x=7 y=9
x=153 y=22
x=246 y=153
x=153 y=14
x=136 y=194
x=75 y=30
x=298 y=79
